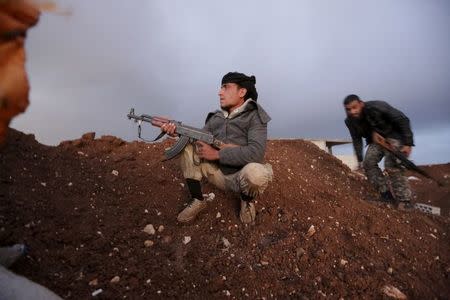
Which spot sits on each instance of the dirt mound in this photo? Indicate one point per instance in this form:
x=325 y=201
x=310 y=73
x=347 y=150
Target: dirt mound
x=82 y=206
x=428 y=192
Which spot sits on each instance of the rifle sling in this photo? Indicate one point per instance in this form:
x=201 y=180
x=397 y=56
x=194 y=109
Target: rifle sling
x=145 y=140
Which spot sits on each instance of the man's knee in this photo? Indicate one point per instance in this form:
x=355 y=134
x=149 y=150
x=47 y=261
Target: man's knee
x=394 y=171
x=188 y=165
x=370 y=163
x=374 y=155
x=254 y=178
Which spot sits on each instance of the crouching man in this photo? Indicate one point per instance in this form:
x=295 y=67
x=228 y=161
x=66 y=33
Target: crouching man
x=241 y=124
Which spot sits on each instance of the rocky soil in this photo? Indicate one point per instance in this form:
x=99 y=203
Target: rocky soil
x=85 y=208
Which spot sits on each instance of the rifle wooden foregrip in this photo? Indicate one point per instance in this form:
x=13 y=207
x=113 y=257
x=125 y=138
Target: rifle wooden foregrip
x=380 y=140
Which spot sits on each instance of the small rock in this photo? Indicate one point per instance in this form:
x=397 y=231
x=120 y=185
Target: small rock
x=227 y=293
x=393 y=292
x=264 y=263
x=166 y=239
x=149 y=229
x=390 y=270
x=209 y=197
x=148 y=243
x=96 y=292
x=311 y=231
x=93 y=282
x=300 y=252
x=343 y=262
x=160 y=228
x=43 y=184
x=219 y=215
x=115 y=172
x=226 y=242
x=186 y=240
x=89 y=136
x=115 y=279
x=80 y=276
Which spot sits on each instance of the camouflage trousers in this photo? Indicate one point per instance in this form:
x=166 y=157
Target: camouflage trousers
x=251 y=180
x=395 y=171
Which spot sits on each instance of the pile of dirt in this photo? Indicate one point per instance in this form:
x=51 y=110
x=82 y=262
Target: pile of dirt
x=82 y=207
x=428 y=192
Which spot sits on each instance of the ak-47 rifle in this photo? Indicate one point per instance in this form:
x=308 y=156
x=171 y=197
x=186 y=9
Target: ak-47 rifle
x=188 y=134
x=383 y=142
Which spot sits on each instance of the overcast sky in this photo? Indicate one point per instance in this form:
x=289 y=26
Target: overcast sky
x=168 y=57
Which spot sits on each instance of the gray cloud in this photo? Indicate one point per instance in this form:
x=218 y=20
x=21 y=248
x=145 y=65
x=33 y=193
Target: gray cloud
x=167 y=58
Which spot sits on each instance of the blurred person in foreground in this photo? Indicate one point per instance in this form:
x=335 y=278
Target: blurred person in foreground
x=16 y=17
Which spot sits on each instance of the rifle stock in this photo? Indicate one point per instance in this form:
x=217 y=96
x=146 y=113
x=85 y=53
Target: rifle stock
x=383 y=142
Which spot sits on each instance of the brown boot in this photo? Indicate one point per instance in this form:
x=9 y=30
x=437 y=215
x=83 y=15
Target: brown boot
x=191 y=211
x=248 y=212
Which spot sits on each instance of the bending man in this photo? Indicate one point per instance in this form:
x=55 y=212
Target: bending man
x=364 y=118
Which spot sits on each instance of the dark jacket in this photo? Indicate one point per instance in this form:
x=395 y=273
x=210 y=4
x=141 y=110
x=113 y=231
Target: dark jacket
x=248 y=129
x=379 y=116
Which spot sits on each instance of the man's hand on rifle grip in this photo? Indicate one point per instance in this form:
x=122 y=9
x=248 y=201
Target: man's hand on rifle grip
x=406 y=150
x=206 y=151
x=169 y=128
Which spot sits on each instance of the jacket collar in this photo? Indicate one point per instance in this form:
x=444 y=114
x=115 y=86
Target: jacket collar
x=248 y=105
x=237 y=111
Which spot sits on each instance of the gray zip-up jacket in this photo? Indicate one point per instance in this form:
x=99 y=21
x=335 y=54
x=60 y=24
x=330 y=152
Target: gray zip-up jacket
x=246 y=128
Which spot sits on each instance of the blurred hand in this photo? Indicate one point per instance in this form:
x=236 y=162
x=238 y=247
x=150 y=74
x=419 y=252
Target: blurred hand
x=406 y=150
x=360 y=168
x=206 y=151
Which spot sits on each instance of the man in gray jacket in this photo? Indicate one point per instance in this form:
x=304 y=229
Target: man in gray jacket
x=366 y=117
x=241 y=124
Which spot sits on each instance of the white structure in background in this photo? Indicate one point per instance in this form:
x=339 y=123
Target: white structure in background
x=326 y=145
